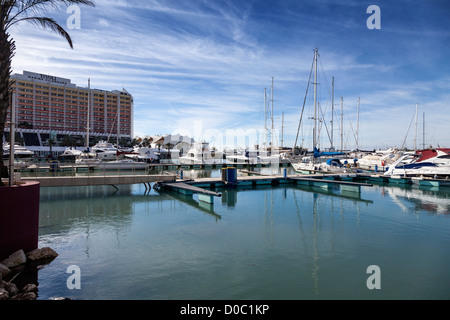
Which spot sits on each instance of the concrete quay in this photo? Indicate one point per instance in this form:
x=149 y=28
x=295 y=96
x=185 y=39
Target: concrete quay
x=48 y=182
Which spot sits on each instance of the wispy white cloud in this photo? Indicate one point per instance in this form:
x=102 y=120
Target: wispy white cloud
x=211 y=60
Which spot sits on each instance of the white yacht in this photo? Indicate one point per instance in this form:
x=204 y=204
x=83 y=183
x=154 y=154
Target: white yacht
x=268 y=157
x=88 y=158
x=332 y=165
x=20 y=152
x=70 y=154
x=124 y=164
x=440 y=156
x=105 y=150
x=414 y=166
x=379 y=159
x=200 y=153
x=244 y=157
x=143 y=154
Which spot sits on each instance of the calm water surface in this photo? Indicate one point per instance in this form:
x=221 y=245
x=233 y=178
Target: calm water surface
x=288 y=243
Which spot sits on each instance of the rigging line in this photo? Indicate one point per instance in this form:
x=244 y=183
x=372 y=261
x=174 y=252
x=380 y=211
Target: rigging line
x=354 y=134
x=304 y=103
x=404 y=141
x=112 y=126
x=346 y=140
x=326 y=82
x=326 y=127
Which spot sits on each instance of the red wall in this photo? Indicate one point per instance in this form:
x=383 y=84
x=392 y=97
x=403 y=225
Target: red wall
x=19 y=218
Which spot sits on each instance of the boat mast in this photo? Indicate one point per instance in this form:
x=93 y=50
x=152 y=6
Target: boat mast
x=415 y=133
x=342 y=124
x=88 y=111
x=282 y=130
x=316 y=52
x=273 y=125
x=119 y=117
x=423 y=137
x=265 y=118
x=357 y=126
x=332 y=115
x=303 y=110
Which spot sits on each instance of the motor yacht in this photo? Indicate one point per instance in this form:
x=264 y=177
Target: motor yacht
x=200 y=153
x=415 y=165
x=105 y=150
x=20 y=152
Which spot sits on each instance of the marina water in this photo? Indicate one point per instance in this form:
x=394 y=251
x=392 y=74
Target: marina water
x=265 y=243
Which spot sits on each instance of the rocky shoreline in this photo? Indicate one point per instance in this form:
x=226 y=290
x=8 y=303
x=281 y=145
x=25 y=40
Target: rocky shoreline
x=14 y=265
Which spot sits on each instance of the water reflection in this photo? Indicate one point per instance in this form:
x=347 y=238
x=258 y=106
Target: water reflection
x=335 y=191
x=93 y=205
x=430 y=199
x=286 y=242
x=229 y=197
x=194 y=203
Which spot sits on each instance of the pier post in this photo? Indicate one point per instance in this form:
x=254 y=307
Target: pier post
x=229 y=176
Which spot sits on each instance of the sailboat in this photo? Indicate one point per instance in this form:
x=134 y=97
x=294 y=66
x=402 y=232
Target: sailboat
x=105 y=155
x=267 y=155
x=311 y=164
x=88 y=157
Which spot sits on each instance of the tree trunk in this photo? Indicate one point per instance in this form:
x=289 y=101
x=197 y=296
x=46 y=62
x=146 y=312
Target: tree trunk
x=7 y=48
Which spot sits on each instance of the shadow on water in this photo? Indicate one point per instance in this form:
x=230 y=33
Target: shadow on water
x=191 y=201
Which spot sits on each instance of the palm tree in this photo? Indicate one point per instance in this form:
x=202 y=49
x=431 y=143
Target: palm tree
x=13 y=12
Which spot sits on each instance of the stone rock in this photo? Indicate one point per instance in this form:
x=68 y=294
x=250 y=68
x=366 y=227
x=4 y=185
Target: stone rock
x=30 y=288
x=27 y=296
x=11 y=288
x=4 y=295
x=4 y=271
x=44 y=254
x=15 y=260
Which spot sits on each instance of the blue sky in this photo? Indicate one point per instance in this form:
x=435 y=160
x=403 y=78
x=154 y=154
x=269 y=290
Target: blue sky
x=200 y=67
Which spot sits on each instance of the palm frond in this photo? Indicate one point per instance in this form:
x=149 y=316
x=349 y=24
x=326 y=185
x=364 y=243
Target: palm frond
x=27 y=8
x=50 y=24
